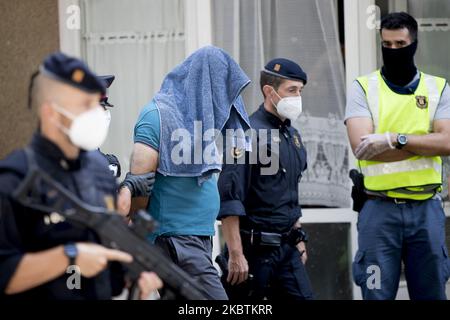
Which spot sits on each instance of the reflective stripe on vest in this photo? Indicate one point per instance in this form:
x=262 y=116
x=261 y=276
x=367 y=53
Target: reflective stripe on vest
x=415 y=177
x=401 y=166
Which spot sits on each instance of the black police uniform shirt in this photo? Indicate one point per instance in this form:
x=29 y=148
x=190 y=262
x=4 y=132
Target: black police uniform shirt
x=265 y=202
x=24 y=231
x=114 y=164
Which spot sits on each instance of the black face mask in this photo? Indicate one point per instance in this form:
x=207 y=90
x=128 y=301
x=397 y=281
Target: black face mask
x=399 y=67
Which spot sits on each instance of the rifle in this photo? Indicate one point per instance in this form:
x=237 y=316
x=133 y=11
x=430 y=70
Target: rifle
x=112 y=230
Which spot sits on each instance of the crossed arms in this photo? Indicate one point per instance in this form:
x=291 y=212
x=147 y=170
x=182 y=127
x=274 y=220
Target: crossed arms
x=363 y=140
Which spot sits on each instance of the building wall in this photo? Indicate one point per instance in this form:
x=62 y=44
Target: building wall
x=28 y=32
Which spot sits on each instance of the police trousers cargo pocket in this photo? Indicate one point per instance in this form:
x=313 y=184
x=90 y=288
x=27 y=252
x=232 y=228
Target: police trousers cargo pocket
x=446 y=264
x=359 y=268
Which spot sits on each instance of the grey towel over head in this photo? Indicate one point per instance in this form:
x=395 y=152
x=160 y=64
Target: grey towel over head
x=198 y=101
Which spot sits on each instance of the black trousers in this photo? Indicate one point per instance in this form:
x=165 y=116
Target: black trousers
x=278 y=274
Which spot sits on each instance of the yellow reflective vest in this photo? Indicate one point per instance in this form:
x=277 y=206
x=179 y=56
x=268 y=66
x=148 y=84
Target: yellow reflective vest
x=417 y=177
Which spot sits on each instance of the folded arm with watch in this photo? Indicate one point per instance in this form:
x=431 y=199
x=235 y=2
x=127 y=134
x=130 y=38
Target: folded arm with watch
x=375 y=144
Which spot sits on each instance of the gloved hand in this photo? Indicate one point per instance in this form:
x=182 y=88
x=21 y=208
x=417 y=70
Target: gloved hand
x=372 y=145
x=140 y=185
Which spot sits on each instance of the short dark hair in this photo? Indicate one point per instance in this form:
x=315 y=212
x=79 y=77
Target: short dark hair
x=400 y=20
x=32 y=89
x=270 y=80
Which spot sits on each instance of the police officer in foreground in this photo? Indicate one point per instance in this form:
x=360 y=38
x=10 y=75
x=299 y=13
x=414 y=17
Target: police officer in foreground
x=398 y=122
x=36 y=249
x=259 y=208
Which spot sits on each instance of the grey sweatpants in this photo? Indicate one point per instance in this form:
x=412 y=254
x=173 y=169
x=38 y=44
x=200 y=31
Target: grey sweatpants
x=193 y=255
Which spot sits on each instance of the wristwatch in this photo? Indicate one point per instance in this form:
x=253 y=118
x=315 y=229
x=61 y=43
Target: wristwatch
x=303 y=236
x=402 y=140
x=71 y=252
x=297 y=235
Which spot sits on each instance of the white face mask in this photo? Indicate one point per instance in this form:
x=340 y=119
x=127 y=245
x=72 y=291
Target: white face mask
x=289 y=107
x=88 y=130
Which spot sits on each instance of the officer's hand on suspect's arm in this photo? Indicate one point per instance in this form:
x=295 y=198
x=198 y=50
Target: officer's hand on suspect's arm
x=301 y=246
x=140 y=185
x=134 y=185
x=148 y=282
x=237 y=268
x=374 y=144
x=93 y=258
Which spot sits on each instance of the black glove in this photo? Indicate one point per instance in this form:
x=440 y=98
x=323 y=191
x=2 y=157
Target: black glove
x=140 y=185
x=296 y=236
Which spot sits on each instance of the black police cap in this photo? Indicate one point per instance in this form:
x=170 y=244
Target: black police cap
x=73 y=72
x=107 y=80
x=286 y=69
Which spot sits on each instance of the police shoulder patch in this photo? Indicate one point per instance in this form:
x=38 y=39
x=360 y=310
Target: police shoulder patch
x=297 y=141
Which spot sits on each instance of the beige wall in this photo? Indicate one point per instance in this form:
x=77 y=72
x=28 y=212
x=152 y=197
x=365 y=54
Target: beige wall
x=28 y=32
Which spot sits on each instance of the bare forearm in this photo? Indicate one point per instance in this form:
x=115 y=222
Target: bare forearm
x=433 y=144
x=393 y=155
x=139 y=203
x=297 y=224
x=37 y=268
x=436 y=143
x=231 y=233
x=126 y=204
x=143 y=160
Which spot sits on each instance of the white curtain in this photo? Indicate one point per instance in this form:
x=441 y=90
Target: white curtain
x=139 y=42
x=433 y=55
x=434 y=35
x=255 y=31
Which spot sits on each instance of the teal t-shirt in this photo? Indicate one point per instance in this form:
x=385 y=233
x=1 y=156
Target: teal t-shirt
x=179 y=204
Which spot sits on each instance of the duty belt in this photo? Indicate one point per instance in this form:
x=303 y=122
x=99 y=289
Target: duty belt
x=262 y=238
x=394 y=200
x=272 y=239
